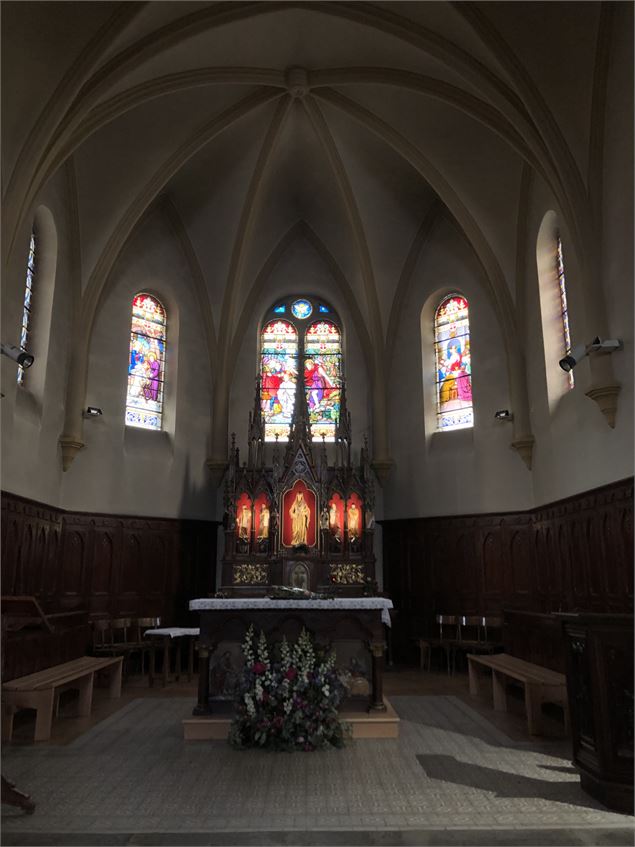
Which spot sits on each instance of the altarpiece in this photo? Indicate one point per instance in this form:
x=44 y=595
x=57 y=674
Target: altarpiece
x=301 y=520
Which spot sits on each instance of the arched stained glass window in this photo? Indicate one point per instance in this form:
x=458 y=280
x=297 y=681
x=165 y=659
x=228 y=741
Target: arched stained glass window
x=27 y=305
x=453 y=364
x=146 y=369
x=564 y=311
x=323 y=377
x=278 y=373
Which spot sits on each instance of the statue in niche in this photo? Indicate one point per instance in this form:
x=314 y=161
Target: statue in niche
x=244 y=523
x=263 y=525
x=299 y=514
x=353 y=522
x=334 y=522
x=324 y=518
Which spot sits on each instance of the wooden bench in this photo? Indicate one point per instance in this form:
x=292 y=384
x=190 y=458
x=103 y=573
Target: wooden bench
x=541 y=685
x=39 y=690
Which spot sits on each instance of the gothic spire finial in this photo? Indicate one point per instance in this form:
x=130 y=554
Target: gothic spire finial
x=300 y=432
x=343 y=429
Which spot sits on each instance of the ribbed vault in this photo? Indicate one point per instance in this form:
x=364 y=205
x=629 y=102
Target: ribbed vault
x=250 y=125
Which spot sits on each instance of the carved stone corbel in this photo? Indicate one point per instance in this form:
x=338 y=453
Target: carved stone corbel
x=525 y=449
x=217 y=469
x=70 y=448
x=606 y=398
x=382 y=468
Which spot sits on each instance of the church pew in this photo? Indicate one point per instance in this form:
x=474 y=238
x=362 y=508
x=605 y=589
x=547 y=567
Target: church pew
x=39 y=690
x=541 y=685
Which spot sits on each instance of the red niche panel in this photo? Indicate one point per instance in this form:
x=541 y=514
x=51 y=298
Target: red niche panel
x=243 y=516
x=298 y=516
x=262 y=516
x=336 y=516
x=354 y=516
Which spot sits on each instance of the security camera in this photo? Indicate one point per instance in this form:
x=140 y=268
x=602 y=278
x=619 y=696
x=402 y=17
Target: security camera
x=571 y=359
x=609 y=345
x=23 y=358
x=503 y=415
x=92 y=412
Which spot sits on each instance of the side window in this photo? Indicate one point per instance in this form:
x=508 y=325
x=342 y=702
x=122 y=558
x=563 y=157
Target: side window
x=453 y=364
x=28 y=304
x=564 y=311
x=146 y=367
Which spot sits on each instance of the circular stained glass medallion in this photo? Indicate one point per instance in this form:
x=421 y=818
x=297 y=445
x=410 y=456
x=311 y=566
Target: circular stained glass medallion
x=301 y=309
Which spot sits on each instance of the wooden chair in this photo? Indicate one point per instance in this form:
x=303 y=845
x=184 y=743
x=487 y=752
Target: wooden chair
x=447 y=641
x=110 y=638
x=139 y=641
x=474 y=636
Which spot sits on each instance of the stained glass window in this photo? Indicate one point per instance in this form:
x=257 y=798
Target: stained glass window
x=301 y=309
x=566 y=335
x=146 y=368
x=322 y=377
x=324 y=309
x=27 y=305
x=280 y=309
x=453 y=364
x=278 y=373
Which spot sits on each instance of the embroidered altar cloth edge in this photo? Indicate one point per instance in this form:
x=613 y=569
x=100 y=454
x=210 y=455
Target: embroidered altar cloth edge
x=211 y=603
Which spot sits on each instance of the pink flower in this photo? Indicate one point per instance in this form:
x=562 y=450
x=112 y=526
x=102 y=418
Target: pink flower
x=259 y=668
x=291 y=674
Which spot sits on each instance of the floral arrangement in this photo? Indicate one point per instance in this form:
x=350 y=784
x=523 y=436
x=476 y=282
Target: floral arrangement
x=290 y=704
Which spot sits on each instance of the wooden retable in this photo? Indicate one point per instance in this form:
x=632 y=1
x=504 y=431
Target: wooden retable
x=340 y=619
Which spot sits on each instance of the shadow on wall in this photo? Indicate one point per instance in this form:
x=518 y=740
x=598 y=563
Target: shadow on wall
x=197 y=554
x=196 y=499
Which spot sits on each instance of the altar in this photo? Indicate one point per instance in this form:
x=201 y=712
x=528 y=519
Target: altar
x=337 y=619
x=341 y=619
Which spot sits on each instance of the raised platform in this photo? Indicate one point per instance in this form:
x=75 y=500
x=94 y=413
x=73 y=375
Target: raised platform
x=365 y=724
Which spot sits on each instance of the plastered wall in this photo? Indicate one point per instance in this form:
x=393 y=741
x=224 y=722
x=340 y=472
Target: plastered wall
x=462 y=471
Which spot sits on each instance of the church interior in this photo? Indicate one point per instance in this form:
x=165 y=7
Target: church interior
x=317 y=316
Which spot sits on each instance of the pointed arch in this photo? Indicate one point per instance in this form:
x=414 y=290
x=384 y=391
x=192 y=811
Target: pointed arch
x=554 y=309
x=451 y=328
x=146 y=366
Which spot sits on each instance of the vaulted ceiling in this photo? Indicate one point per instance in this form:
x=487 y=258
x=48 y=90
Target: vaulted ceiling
x=353 y=122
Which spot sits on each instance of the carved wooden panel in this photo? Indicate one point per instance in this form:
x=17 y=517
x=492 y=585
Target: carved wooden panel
x=492 y=564
x=106 y=564
x=575 y=554
x=73 y=564
x=520 y=564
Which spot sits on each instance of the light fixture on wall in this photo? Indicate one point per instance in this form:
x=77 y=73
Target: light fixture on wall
x=503 y=415
x=24 y=359
x=610 y=345
x=92 y=412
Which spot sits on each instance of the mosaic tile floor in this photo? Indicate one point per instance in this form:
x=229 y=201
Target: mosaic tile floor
x=450 y=769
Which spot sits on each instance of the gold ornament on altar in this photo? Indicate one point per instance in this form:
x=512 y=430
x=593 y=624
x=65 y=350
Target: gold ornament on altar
x=347 y=573
x=251 y=574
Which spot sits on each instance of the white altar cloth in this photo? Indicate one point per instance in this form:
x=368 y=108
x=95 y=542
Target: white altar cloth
x=243 y=603
x=174 y=631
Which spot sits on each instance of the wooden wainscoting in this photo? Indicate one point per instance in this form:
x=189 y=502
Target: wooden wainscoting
x=108 y=565
x=573 y=555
